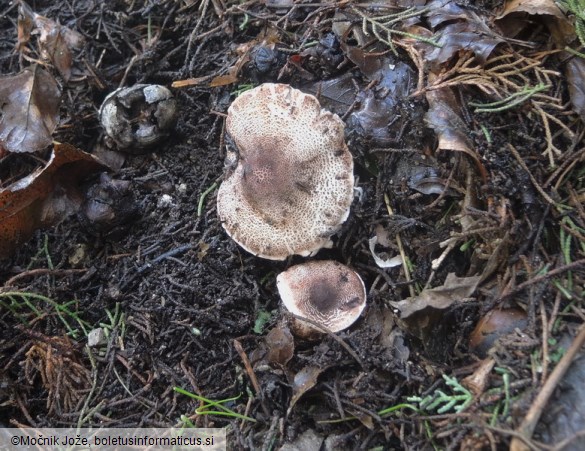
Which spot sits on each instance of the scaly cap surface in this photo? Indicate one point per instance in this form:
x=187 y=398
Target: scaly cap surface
x=292 y=186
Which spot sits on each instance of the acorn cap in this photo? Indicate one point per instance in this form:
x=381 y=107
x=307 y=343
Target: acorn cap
x=326 y=292
x=290 y=184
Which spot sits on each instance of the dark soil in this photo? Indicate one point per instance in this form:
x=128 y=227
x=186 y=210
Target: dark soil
x=174 y=292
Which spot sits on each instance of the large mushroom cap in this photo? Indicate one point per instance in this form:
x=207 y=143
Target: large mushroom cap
x=293 y=184
x=327 y=292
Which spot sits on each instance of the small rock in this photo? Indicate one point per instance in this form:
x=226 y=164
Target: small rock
x=96 y=337
x=165 y=201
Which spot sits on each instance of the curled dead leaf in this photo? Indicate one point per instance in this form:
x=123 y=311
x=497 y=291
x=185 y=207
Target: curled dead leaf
x=44 y=197
x=377 y=108
x=336 y=94
x=303 y=381
x=512 y=21
x=421 y=315
x=381 y=260
x=444 y=117
x=452 y=132
x=546 y=7
x=56 y=42
x=24 y=27
x=455 y=289
x=29 y=110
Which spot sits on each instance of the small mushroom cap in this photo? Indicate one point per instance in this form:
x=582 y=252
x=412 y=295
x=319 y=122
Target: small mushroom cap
x=327 y=292
x=292 y=186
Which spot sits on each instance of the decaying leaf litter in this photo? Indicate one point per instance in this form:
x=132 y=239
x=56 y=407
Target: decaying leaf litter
x=465 y=121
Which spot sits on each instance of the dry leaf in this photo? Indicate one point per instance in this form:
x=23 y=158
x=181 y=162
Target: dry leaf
x=44 y=197
x=336 y=94
x=24 y=27
x=444 y=118
x=457 y=29
x=376 y=109
x=575 y=71
x=303 y=381
x=533 y=7
x=424 y=315
x=29 y=110
x=511 y=18
x=455 y=289
x=381 y=260
x=381 y=323
x=56 y=43
x=442 y=11
x=55 y=40
x=463 y=36
x=280 y=345
x=111 y=158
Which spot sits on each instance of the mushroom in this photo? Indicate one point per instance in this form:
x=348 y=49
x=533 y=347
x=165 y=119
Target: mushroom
x=109 y=207
x=325 y=292
x=290 y=179
x=137 y=117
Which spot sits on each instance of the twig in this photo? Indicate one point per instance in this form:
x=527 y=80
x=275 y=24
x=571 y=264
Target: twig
x=401 y=250
x=251 y=374
x=82 y=415
x=384 y=24
x=526 y=429
x=203 y=10
x=545 y=359
x=247 y=364
x=127 y=71
x=551 y=149
x=532 y=179
x=542 y=278
x=42 y=271
x=164 y=256
x=509 y=102
x=332 y=335
x=530 y=444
